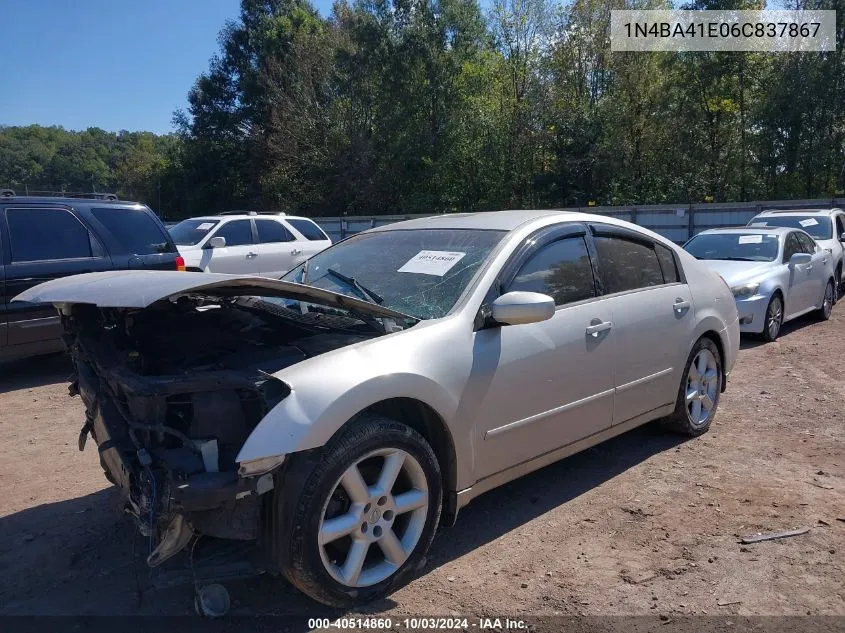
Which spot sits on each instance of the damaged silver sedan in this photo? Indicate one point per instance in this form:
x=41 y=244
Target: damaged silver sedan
x=335 y=417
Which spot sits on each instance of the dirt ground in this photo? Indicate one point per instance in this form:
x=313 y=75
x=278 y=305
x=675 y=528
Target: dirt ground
x=647 y=523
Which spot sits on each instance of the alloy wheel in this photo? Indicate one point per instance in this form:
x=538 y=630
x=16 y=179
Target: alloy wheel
x=774 y=317
x=374 y=517
x=702 y=387
x=827 y=306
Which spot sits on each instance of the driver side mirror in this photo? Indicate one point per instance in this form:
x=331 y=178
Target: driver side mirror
x=519 y=308
x=800 y=258
x=842 y=237
x=217 y=242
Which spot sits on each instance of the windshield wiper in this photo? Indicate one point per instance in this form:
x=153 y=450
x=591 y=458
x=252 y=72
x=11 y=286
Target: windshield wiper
x=371 y=296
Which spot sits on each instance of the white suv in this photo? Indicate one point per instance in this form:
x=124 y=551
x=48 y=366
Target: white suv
x=825 y=226
x=248 y=243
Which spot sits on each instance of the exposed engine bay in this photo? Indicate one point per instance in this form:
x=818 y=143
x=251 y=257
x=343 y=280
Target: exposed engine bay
x=172 y=392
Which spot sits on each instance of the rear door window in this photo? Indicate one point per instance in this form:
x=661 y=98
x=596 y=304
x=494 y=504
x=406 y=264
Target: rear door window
x=309 y=230
x=807 y=243
x=627 y=265
x=46 y=234
x=135 y=231
x=236 y=232
x=270 y=231
x=561 y=270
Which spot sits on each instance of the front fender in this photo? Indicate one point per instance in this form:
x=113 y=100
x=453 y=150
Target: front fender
x=308 y=419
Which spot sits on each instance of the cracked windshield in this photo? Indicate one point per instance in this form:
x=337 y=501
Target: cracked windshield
x=419 y=272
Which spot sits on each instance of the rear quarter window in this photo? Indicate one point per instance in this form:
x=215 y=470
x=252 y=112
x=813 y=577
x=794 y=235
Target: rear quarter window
x=134 y=229
x=309 y=230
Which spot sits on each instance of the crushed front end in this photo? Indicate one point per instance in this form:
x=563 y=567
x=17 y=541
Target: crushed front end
x=172 y=392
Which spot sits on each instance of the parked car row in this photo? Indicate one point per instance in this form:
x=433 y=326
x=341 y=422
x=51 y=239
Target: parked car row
x=336 y=416
x=777 y=271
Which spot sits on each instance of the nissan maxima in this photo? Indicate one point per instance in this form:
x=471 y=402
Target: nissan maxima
x=776 y=274
x=337 y=416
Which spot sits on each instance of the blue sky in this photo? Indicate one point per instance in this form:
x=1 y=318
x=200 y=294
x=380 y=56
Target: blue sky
x=113 y=64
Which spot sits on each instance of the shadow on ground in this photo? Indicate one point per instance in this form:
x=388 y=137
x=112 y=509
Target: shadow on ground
x=81 y=557
x=750 y=341
x=37 y=371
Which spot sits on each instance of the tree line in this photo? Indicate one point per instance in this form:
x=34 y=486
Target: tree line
x=426 y=106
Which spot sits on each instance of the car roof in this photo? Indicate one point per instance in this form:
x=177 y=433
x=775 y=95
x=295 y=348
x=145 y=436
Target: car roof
x=246 y=216
x=774 y=230
x=69 y=202
x=494 y=220
x=794 y=212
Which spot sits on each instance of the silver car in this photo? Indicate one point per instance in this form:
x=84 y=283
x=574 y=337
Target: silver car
x=825 y=226
x=337 y=416
x=776 y=274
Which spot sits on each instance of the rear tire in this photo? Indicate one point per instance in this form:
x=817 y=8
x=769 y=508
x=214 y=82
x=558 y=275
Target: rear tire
x=343 y=534
x=774 y=318
x=823 y=313
x=698 y=394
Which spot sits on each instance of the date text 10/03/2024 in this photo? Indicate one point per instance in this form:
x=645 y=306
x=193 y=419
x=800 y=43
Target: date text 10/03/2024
x=419 y=624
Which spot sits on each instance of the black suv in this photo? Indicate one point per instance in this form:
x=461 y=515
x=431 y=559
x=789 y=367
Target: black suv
x=46 y=238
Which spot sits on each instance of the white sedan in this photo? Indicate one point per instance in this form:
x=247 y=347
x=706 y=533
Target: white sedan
x=776 y=274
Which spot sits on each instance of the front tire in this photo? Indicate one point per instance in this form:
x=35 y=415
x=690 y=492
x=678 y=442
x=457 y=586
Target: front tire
x=364 y=517
x=774 y=319
x=823 y=313
x=698 y=395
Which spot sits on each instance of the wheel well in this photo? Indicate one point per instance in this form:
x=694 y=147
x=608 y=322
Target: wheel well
x=717 y=341
x=425 y=421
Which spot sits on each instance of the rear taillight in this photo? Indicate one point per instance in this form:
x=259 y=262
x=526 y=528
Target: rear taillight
x=180 y=263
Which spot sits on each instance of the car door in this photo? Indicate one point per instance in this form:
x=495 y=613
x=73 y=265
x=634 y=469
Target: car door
x=801 y=285
x=277 y=252
x=239 y=256
x=652 y=313
x=818 y=270
x=4 y=295
x=135 y=238
x=310 y=238
x=44 y=243
x=544 y=385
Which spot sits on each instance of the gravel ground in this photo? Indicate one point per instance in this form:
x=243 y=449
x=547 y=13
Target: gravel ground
x=646 y=524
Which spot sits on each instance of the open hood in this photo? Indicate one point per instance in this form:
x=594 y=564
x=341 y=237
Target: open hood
x=141 y=288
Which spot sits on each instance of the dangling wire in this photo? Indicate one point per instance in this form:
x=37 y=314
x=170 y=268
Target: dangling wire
x=152 y=507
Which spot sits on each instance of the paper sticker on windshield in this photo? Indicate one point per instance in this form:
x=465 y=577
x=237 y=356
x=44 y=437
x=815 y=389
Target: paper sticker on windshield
x=808 y=222
x=205 y=226
x=431 y=262
x=758 y=224
x=750 y=239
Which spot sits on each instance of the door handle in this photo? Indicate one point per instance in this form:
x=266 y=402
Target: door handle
x=680 y=304
x=593 y=330
x=295 y=251
x=251 y=255
x=809 y=267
